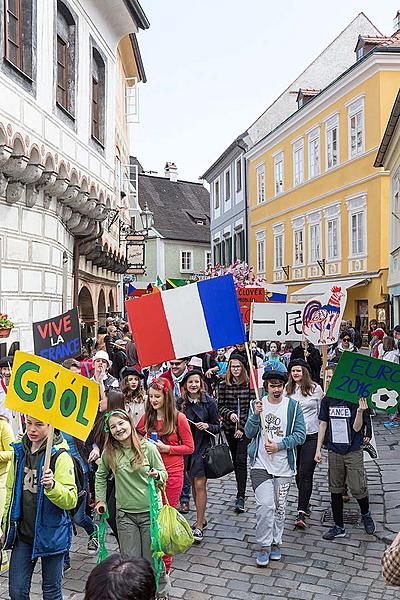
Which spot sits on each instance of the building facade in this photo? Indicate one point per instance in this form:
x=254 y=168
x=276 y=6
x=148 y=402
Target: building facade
x=227 y=176
x=178 y=245
x=68 y=75
x=319 y=210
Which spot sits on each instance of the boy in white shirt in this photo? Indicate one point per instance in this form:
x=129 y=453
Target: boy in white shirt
x=275 y=426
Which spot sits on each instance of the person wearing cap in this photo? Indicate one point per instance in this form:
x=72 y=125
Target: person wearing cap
x=234 y=397
x=201 y=412
x=119 y=359
x=5 y=377
x=376 y=342
x=275 y=427
x=132 y=390
x=101 y=365
x=308 y=394
x=309 y=353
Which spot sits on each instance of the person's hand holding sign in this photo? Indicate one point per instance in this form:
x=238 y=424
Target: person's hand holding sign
x=258 y=408
x=47 y=479
x=271 y=447
x=358 y=421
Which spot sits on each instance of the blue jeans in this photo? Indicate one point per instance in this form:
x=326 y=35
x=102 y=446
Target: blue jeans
x=82 y=519
x=21 y=571
x=186 y=489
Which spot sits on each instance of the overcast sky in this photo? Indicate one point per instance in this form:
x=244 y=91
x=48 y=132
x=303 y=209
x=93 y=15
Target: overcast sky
x=213 y=66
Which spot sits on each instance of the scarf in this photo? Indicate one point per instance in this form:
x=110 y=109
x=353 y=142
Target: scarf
x=177 y=383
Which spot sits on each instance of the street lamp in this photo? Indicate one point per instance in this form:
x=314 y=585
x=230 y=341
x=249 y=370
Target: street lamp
x=147 y=218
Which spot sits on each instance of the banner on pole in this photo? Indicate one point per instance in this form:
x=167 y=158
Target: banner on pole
x=281 y=322
x=246 y=296
x=322 y=316
x=358 y=376
x=58 y=338
x=48 y=392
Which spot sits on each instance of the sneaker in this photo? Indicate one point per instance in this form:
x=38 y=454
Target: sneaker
x=276 y=553
x=369 y=524
x=66 y=568
x=183 y=508
x=371 y=450
x=205 y=525
x=334 y=532
x=262 y=558
x=239 y=505
x=300 y=521
x=93 y=543
x=198 y=535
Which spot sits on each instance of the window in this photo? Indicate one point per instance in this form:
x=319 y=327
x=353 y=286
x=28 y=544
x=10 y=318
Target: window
x=19 y=34
x=228 y=250
x=357 y=233
x=356 y=128
x=278 y=173
x=227 y=186
x=260 y=238
x=332 y=143
x=216 y=195
x=65 y=59
x=298 y=247
x=217 y=253
x=207 y=259
x=239 y=250
x=313 y=154
x=315 y=243
x=239 y=175
x=260 y=173
x=298 y=162
x=98 y=96
x=186 y=261
x=332 y=235
x=396 y=222
x=278 y=252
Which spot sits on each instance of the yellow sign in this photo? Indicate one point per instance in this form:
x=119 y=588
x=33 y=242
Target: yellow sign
x=50 y=393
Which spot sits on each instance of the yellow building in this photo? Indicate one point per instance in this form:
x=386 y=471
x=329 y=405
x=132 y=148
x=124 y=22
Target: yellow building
x=318 y=209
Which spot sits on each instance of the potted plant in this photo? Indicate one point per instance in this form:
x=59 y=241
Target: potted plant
x=5 y=325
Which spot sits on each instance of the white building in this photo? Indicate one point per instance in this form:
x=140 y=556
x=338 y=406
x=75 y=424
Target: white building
x=68 y=79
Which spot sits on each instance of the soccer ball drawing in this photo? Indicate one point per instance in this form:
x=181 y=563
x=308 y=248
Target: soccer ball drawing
x=384 y=398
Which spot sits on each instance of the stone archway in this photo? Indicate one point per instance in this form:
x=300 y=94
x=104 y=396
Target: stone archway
x=85 y=307
x=111 y=305
x=101 y=308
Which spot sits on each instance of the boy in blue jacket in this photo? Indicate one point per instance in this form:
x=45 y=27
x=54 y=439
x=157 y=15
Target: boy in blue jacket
x=275 y=426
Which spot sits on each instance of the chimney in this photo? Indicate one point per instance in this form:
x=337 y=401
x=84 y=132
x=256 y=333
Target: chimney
x=171 y=171
x=396 y=22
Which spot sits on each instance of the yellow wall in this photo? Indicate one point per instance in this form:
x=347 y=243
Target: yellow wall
x=349 y=178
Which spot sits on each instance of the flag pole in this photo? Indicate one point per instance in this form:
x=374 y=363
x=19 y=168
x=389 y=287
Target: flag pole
x=49 y=445
x=324 y=365
x=252 y=374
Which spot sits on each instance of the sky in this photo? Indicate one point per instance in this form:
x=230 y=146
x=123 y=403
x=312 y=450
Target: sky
x=213 y=66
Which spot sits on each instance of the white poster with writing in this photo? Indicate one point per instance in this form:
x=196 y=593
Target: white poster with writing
x=281 y=322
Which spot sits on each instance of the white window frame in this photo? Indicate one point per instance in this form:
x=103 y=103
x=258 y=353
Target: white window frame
x=279 y=246
x=298 y=165
x=239 y=167
x=183 y=268
x=298 y=226
x=260 y=249
x=330 y=239
x=357 y=207
x=217 y=194
x=331 y=125
x=278 y=173
x=314 y=243
x=260 y=177
x=207 y=258
x=227 y=188
x=356 y=109
x=332 y=214
x=314 y=144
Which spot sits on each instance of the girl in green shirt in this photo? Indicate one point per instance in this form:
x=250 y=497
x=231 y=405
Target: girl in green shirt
x=132 y=460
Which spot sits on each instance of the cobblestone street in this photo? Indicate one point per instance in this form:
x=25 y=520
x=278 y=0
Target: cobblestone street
x=223 y=565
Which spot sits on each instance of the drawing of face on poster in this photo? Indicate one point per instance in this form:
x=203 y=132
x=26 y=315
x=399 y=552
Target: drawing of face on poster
x=322 y=316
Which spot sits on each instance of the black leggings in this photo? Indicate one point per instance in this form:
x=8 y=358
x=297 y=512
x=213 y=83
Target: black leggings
x=238 y=448
x=337 y=507
x=305 y=470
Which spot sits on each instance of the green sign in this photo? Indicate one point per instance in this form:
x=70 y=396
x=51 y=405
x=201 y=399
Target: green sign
x=359 y=376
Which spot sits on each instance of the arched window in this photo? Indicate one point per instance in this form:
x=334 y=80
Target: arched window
x=65 y=58
x=18 y=34
x=98 y=96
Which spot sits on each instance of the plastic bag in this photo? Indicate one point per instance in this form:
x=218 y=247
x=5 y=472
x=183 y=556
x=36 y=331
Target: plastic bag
x=176 y=535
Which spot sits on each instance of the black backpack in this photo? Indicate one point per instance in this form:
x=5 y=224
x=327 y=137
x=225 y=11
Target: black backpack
x=79 y=477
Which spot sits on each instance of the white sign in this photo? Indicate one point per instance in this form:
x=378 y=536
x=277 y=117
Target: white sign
x=281 y=322
x=322 y=316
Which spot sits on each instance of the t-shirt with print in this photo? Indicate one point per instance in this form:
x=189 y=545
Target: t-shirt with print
x=340 y=416
x=275 y=423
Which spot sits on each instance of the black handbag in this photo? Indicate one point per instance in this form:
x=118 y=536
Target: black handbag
x=217 y=459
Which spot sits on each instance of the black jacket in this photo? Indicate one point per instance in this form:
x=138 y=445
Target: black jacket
x=314 y=360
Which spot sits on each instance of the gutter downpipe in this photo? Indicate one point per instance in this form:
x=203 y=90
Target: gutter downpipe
x=75 y=260
x=245 y=203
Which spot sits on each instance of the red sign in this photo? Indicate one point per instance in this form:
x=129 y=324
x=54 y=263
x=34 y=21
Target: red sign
x=246 y=296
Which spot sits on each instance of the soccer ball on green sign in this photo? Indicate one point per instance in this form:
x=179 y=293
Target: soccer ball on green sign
x=385 y=399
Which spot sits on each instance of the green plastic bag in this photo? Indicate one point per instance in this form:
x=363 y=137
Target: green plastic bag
x=176 y=535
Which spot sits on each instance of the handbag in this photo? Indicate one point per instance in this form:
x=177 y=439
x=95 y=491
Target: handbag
x=217 y=459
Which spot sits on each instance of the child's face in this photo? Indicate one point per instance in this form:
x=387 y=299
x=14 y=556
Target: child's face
x=133 y=382
x=273 y=348
x=296 y=373
x=36 y=430
x=193 y=384
x=328 y=375
x=156 y=398
x=120 y=429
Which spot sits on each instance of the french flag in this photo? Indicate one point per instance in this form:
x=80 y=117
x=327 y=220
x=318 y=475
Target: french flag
x=188 y=320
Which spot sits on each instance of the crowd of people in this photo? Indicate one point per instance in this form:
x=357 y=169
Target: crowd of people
x=158 y=423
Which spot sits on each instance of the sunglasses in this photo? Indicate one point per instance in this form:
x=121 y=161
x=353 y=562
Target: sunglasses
x=346 y=339
x=175 y=364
